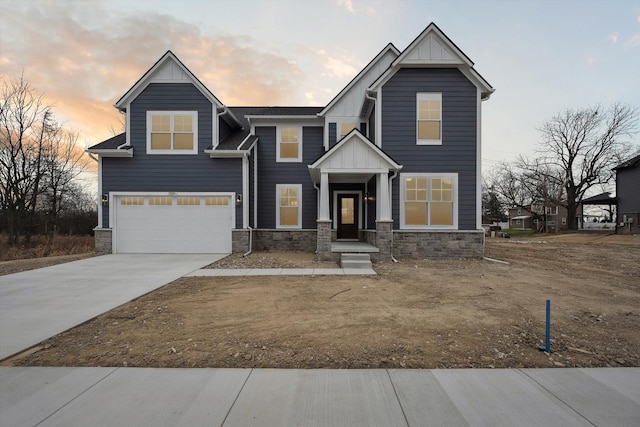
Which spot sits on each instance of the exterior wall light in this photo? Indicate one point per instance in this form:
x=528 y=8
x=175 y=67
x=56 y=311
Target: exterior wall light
x=239 y=199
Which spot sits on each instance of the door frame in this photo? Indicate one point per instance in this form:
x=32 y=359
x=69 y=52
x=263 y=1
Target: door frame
x=360 y=210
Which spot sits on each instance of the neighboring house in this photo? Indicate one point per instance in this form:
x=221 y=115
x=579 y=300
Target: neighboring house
x=544 y=219
x=628 y=195
x=393 y=161
x=521 y=217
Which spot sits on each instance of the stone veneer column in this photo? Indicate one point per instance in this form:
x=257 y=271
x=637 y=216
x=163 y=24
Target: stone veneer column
x=384 y=239
x=102 y=237
x=324 y=239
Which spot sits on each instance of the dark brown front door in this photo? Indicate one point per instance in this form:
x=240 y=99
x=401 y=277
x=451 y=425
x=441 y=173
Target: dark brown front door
x=347 y=216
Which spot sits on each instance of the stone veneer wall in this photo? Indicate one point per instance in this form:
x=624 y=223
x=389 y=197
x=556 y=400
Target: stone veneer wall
x=102 y=241
x=438 y=244
x=240 y=240
x=284 y=240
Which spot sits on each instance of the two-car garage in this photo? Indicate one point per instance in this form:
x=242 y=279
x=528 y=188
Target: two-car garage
x=172 y=223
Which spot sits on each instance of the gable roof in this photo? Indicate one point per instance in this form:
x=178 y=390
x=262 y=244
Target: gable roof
x=353 y=154
x=389 y=49
x=168 y=69
x=433 y=48
x=629 y=163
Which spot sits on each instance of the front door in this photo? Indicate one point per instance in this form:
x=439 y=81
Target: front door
x=347 y=216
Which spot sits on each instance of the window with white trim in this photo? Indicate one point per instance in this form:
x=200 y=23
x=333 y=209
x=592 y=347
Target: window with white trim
x=289 y=206
x=428 y=201
x=289 y=144
x=345 y=128
x=552 y=210
x=172 y=132
x=429 y=118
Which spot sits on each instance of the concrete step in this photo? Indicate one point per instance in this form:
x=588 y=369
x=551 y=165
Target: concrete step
x=362 y=261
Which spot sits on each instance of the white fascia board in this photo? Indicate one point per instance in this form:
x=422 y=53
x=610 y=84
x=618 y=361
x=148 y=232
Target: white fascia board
x=254 y=118
x=146 y=78
x=111 y=152
x=221 y=154
x=374 y=61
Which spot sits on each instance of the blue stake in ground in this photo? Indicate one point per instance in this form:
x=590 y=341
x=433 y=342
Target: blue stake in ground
x=547 y=339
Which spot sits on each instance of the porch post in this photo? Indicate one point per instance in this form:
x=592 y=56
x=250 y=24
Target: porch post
x=383 y=184
x=384 y=224
x=323 y=237
x=324 y=197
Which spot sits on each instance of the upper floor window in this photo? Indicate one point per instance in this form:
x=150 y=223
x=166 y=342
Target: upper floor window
x=429 y=119
x=289 y=144
x=552 y=210
x=172 y=132
x=345 y=128
x=428 y=201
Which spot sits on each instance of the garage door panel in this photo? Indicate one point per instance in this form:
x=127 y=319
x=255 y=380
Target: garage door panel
x=153 y=228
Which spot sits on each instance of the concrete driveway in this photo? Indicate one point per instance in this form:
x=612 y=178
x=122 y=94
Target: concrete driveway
x=38 y=304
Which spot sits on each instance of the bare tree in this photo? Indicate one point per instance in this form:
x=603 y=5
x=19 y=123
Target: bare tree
x=39 y=159
x=24 y=129
x=584 y=145
x=507 y=181
x=63 y=161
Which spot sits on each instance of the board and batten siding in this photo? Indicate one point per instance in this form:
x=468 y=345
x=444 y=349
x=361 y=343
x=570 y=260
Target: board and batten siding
x=171 y=173
x=272 y=173
x=458 y=152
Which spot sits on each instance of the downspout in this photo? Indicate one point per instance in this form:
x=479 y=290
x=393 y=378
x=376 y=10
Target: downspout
x=250 y=241
x=216 y=137
x=395 y=174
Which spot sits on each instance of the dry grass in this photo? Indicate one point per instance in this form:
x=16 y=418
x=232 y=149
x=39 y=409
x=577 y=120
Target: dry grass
x=42 y=246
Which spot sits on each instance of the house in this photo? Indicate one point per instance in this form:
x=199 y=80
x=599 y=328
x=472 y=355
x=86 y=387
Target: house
x=393 y=161
x=540 y=217
x=522 y=217
x=628 y=195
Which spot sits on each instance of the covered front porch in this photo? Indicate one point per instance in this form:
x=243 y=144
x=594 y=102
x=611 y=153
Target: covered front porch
x=354 y=198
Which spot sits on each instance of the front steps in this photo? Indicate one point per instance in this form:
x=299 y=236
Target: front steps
x=361 y=261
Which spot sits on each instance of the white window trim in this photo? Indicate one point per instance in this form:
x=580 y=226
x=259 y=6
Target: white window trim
x=194 y=121
x=298 y=188
x=428 y=96
x=279 y=138
x=354 y=121
x=404 y=176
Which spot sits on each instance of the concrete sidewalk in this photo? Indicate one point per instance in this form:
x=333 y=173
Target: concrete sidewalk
x=269 y=397
x=221 y=272
x=38 y=304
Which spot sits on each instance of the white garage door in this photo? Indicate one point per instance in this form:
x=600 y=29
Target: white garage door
x=173 y=224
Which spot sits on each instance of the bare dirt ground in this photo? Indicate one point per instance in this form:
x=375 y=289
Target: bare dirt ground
x=18 y=265
x=415 y=314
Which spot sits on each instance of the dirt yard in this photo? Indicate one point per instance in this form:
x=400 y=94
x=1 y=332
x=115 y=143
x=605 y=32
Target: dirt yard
x=414 y=314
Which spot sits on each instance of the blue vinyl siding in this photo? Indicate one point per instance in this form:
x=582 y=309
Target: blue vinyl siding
x=224 y=130
x=333 y=134
x=458 y=152
x=145 y=173
x=272 y=173
x=372 y=125
x=627 y=185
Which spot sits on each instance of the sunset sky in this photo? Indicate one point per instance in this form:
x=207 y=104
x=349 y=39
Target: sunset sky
x=541 y=56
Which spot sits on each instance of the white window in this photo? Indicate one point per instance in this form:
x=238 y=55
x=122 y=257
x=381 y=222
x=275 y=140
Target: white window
x=564 y=220
x=172 y=132
x=289 y=144
x=429 y=118
x=429 y=201
x=552 y=210
x=345 y=128
x=289 y=206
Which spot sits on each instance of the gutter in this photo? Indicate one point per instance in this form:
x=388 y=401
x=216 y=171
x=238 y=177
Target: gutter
x=250 y=242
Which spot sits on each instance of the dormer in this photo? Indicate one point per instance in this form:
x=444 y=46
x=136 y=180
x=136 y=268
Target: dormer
x=169 y=69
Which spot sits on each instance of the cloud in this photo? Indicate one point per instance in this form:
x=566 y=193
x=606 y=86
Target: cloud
x=633 y=41
x=348 y=5
x=82 y=60
x=614 y=38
